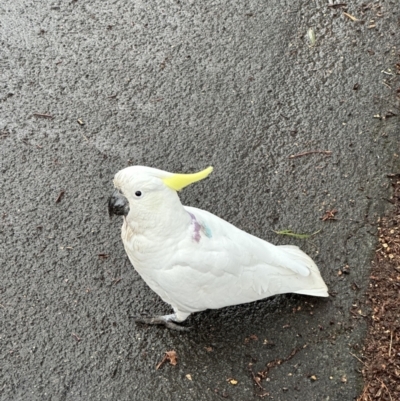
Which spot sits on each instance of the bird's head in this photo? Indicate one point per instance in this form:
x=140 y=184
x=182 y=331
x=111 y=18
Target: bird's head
x=145 y=191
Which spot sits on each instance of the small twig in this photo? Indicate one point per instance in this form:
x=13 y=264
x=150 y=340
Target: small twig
x=41 y=115
x=60 y=196
x=352 y=17
x=362 y=398
x=390 y=345
x=162 y=362
x=85 y=136
x=257 y=381
x=354 y=314
x=338 y=5
x=384 y=385
x=277 y=362
x=325 y=152
x=358 y=359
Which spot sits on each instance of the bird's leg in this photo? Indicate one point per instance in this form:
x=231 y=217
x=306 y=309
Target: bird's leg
x=169 y=321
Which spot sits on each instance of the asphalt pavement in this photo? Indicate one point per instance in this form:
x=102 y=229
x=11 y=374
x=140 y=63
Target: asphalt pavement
x=90 y=87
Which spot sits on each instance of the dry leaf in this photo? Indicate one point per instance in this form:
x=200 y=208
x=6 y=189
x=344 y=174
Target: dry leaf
x=171 y=357
x=189 y=377
x=233 y=382
x=329 y=215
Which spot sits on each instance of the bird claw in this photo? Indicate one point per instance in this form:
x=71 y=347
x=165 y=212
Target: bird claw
x=161 y=320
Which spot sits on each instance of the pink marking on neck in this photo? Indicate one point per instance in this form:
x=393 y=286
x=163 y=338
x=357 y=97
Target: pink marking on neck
x=197 y=227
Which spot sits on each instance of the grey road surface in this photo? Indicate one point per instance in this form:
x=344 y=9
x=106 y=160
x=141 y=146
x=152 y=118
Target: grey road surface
x=90 y=87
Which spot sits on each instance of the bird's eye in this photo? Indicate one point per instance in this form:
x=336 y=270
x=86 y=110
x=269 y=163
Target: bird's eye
x=138 y=194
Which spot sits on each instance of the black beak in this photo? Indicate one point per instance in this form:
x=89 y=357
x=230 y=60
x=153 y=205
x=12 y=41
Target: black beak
x=118 y=204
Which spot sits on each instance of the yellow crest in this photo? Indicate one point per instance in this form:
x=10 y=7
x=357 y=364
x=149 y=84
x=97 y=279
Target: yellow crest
x=180 y=181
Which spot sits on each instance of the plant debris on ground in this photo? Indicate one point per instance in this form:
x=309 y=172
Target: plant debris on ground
x=169 y=356
x=381 y=351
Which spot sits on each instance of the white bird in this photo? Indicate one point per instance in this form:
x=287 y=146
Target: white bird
x=193 y=259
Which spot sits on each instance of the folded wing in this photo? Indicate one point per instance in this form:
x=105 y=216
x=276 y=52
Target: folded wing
x=227 y=266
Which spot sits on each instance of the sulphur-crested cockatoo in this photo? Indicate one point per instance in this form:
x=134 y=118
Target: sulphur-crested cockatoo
x=193 y=259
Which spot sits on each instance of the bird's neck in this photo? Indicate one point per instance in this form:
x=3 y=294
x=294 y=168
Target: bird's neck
x=159 y=223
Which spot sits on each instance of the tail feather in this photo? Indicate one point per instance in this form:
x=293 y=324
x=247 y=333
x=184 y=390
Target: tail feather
x=318 y=292
x=319 y=288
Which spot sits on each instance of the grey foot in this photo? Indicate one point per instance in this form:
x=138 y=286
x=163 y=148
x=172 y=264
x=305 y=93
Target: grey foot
x=167 y=321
